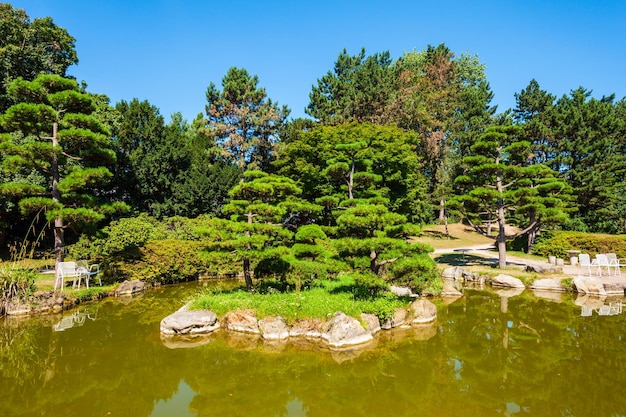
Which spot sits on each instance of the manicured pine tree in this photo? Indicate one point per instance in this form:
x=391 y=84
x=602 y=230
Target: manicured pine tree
x=66 y=145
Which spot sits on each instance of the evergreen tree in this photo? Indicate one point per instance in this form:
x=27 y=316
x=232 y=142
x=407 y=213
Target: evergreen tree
x=500 y=183
x=243 y=121
x=66 y=145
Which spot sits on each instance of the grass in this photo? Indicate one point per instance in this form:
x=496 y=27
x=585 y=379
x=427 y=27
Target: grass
x=318 y=302
x=460 y=236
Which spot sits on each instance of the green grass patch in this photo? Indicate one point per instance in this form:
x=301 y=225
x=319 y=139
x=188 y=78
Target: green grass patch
x=321 y=301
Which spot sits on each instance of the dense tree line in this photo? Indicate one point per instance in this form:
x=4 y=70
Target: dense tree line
x=411 y=140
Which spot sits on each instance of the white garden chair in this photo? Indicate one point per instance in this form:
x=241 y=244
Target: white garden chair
x=584 y=262
x=603 y=262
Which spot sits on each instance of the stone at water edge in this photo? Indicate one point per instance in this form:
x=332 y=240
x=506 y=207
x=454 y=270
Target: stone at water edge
x=343 y=330
x=273 y=328
x=423 y=311
x=184 y=322
x=241 y=321
x=398 y=319
x=503 y=280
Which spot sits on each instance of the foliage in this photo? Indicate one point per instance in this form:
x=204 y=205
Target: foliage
x=66 y=145
x=357 y=89
x=15 y=284
x=557 y=242
x=164 y=261
x=243 y=122
x=362 y=158
x=28 y=48
x=320 y=301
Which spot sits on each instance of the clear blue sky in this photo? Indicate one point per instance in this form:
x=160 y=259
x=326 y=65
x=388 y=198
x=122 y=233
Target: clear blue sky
x=168 y=51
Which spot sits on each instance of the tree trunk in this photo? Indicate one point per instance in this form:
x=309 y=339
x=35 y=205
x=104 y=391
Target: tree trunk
x=501 y=223
x=532 y=234
x=247 y=275
x=59 y=242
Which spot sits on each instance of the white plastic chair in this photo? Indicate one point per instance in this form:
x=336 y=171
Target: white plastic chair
x=603 y=262
x=584 y=261
x=615 y=262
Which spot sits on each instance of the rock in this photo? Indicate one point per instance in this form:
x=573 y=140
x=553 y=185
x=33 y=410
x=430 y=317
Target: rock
x=372 y=323
x=401 y=291
x=130 y=287
x=398 y=319
x=544 y=269
x=473 y=277
x=343 y=330
x=273 y=328
x=453 y=272
x=423 y=311
x=589 y=286
x=503 y=280
x=185 y=322
x=309 y=328
x=547 y=284
x=241 y=321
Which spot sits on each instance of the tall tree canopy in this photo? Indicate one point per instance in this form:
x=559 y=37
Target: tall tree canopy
x=502 y=187
x=62 y=141
x=358 y=89
x=243 y=120
x=29 y=48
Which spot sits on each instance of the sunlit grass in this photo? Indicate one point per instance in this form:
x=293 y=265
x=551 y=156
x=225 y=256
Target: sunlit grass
x=319 y=302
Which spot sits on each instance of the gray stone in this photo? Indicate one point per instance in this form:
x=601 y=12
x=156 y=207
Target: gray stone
x=423 y=311
x=241 y=321
x=398 y=319
x=453 y=272
x=371 y=322
x=308 y=328
x=273 y=328
x=343 y=330
x=544 y=269
x=130 y=287
x=503 y=280
x=589 y=286
x=401 y=291
x=547 y=284
x=185 y=322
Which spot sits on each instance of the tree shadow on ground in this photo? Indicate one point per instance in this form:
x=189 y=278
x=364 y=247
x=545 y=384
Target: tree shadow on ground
x=435 y=234
x=465 y=259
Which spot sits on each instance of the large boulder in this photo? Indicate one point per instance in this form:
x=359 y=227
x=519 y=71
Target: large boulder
x=343 y=330
x=547 y=284
x=503 y=280
x=241 y=321
x=130 y=287
x=372 y=323
x=185 y=322
x=308 y=328
x=423 y=311
x=398 y=319
x=274 y=328
x=589 y=286
x=453 y=272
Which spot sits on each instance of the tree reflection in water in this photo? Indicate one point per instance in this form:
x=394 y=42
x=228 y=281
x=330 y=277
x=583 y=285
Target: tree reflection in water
x=487 y=354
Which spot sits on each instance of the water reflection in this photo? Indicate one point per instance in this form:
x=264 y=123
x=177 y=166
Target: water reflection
x=76 y=318
x=528 y=356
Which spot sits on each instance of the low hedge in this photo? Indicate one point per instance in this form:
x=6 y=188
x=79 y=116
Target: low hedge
x=557 y=242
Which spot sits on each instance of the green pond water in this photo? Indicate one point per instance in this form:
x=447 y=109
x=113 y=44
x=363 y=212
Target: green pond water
x=486 y=355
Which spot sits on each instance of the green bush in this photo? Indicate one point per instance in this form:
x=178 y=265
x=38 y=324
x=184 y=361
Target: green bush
x=15 y=283
x=557 y=242
x=164 y=261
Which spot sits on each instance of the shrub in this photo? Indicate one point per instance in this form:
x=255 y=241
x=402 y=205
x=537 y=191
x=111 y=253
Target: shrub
x=557 y=242
x=15 y=283
x=164 y=261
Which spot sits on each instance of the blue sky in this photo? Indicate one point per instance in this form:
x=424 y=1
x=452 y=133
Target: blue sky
x=167 y=51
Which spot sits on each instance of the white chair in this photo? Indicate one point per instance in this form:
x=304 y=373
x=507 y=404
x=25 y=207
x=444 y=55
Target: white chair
x=603 y=262
x=615 y=262
x=65 y=270
x=584 y=261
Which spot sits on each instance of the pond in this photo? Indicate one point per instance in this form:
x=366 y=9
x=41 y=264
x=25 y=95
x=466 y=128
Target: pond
x=486 y=355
